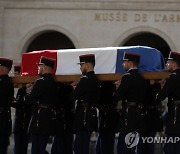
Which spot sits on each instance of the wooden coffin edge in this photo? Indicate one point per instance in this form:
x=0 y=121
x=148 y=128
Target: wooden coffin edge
x=19 y=80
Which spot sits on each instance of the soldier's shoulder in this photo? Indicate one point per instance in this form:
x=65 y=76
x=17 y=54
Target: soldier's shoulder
x=40 y=80
x=4 y=79
x=174 y=73
x=84 y=77
x=126 y=75
x=171 y=75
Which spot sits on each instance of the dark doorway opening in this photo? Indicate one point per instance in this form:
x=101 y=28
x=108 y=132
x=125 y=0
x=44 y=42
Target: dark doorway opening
x=151 y=40
x=50 y=40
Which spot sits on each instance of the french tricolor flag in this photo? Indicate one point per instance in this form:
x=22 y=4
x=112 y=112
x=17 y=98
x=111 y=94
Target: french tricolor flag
x=108 y=60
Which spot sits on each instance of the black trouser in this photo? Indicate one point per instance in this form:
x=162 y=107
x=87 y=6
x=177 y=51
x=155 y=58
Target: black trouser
x=21 y=143
x=39 y=143
x=4 y=143
x=81 y=143
x=105 y=143
x=63 y=144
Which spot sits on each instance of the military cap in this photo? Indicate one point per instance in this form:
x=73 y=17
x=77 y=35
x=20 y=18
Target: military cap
x=47 y=61
x=174 y=56
x=6 y=62
x=17 y=68
x=88 y=58
x=131 y=57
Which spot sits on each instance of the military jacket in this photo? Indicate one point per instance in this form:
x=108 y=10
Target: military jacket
x=23 y=112
x=87 y=94
x=153 y=121
x=171 y=90
x=64 y=109
x=6 y=97
x=108 y=116
x=132 y=89
x=43 y=98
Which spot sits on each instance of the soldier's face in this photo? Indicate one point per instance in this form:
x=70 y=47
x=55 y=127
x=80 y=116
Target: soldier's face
x=1 y=70
x=126 y=65
x=4 y=70
x=40 y=69
x=83 y=68
x=169 y=65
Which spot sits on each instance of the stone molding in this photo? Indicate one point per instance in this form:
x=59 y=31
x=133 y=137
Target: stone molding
x=94 y=5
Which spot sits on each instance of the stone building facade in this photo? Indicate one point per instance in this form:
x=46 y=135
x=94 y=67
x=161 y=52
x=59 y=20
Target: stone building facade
x=27 y=25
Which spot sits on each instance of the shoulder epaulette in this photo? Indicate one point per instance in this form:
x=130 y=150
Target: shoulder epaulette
x=84 y=76
x=127 y=74
x=41 y=78
x=172 y=74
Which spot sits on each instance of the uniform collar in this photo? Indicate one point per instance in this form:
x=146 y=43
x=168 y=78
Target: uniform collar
x=177 y=70
x=90 y=72
x=132 y=69
x=46 y=74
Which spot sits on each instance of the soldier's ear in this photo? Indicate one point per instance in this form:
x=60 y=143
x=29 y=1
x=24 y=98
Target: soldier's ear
x=173 y=63
x=85 y=65
x=89 y=65
x=0 y=69
x=42 y=67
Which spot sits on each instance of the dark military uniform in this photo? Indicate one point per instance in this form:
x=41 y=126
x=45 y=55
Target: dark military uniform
x=132 y=92
x=172 y=90
x=6 y=97
x=43 y=97
x=21 y=122
x=63 y=140
x=152 y=118
x=108 y=117
x=87 y=94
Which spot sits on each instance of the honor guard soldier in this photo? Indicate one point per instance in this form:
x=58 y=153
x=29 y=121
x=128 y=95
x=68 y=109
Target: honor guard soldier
x=171 y=90
x=43 y=97
x=63 y=140
x=6 y=98
x=108 y=119
x=153 y=121
x=87 y=93
x=22 y=118
x=131 y=91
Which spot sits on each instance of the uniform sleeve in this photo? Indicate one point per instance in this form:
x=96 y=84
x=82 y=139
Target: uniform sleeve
x=123 y=88
x=19 y=98
x=80 y=89
x=6 y=94
x=35 y=94
x=167 y=89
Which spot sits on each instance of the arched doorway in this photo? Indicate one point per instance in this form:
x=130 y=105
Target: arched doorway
x=149 y=39
x=50 y=40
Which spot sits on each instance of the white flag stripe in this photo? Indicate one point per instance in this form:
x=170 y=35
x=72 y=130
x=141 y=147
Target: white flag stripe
x=105 y=60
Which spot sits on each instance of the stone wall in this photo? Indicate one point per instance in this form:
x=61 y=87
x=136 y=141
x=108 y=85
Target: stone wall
x=87 y=23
